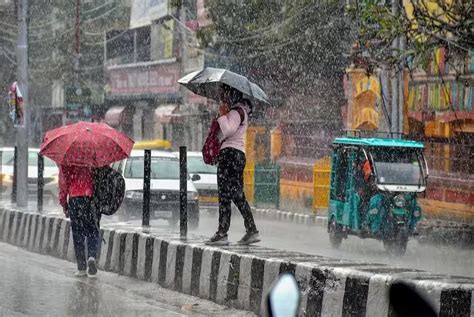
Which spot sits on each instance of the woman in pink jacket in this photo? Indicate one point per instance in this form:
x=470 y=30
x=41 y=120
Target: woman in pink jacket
x=233 y=123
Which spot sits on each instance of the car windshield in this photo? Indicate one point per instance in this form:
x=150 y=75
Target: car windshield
x=7 y=159
x=397 y=166
x=33 y=160
x=196 y=165
x=161 y=168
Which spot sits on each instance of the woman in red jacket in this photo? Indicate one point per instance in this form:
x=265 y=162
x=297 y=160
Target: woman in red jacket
x=76 y=188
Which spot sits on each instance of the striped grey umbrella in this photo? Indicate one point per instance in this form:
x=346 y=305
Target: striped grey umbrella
x=206 y=82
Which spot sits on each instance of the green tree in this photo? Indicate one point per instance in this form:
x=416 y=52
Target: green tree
x=294 y=49
x=425 y=25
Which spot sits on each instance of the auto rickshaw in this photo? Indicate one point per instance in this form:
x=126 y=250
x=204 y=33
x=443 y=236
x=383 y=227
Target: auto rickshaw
x=375 y=183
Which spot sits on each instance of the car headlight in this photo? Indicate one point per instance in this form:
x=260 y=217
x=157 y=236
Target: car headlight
x=133 y=194
x=399 y=201
x=192 y=195
x=6 y=178
x=53 y=179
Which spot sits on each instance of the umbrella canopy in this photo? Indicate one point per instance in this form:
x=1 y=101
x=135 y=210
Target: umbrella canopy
x=206 y=83
x=86 y=144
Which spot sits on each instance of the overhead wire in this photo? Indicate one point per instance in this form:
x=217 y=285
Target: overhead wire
x=55 y=37
x=11 y=59
x=263 y=31
x=98 y=7
x=98 y=43
x=7 y=39
x=265 y=49
x=100 y=16
x=9 y=25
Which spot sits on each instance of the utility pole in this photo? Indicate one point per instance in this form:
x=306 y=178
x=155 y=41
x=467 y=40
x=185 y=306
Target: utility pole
x=401 y=86
x=181 y=14
x=22 y=129
x=77 y=41
x=395 y=78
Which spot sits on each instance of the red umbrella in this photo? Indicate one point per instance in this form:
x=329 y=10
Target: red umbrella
x=86 y=144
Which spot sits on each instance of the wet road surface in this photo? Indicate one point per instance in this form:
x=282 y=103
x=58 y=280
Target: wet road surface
x=37 y=285
x=312 y=239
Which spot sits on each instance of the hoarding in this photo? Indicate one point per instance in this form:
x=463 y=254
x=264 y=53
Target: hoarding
x=144 y=12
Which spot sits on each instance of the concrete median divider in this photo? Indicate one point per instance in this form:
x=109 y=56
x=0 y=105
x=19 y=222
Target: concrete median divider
x=240 y=276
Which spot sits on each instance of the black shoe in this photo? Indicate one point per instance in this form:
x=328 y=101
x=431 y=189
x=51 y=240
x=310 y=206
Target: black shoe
x=249 y=238
x=92 y=267
x=218 y=239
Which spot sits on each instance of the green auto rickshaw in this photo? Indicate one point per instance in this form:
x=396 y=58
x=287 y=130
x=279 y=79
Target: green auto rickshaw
x=375 y=183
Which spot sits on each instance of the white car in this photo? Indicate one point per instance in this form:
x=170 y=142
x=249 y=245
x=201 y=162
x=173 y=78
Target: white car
x=207 y=183
x=164 y=187
x=50 y=174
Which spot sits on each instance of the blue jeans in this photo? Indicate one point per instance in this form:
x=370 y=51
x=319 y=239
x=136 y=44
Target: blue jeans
x=85 y=224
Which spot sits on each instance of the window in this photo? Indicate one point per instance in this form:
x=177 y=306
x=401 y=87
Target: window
x=33 y=160
x=196 y=165
x=7 y=158
x=143 y=39
x=397 y=166
x=451 y=155
x=161 y=168
x=339 y=174
x=119 y=46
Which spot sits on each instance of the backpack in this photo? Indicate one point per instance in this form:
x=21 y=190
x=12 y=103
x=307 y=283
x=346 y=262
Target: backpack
x=109 y=190
x=211 y=148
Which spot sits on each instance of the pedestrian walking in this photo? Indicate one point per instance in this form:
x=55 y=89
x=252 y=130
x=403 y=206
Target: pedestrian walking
x=82 y=150
x=76 y=190
x=233 y=123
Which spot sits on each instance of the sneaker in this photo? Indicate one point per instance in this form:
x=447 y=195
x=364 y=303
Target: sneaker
x=249 y=238
x=218 y=239
x=92 y=267
x=80 y=273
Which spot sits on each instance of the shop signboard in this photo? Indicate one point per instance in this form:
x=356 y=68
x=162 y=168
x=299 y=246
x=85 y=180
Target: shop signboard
x=144 y=12
x=143 y=79
x=77 y=104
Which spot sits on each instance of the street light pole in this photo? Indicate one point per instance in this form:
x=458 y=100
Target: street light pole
x=394 y=77
x=22 y=129
x=77 y=41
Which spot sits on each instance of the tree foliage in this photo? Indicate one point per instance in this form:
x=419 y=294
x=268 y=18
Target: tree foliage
x=425 y=25
x=294 y=49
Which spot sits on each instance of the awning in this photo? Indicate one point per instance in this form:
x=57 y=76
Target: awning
x=113 y=116
x=164 y=113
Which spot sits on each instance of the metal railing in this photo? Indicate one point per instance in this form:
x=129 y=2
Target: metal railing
x=183 y=190
x=305 y=146
x=146 y=188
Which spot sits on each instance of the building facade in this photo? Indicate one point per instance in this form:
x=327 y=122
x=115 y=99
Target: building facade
x=143 y=64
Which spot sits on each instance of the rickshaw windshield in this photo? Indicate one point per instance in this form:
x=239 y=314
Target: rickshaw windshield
x=397 y=166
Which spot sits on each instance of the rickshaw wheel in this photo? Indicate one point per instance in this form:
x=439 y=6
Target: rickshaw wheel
x=335 y=233
x=397 y=246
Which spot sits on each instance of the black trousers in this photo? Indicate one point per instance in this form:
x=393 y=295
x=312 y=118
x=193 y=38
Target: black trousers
x=85 y=224
x=230 y=182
